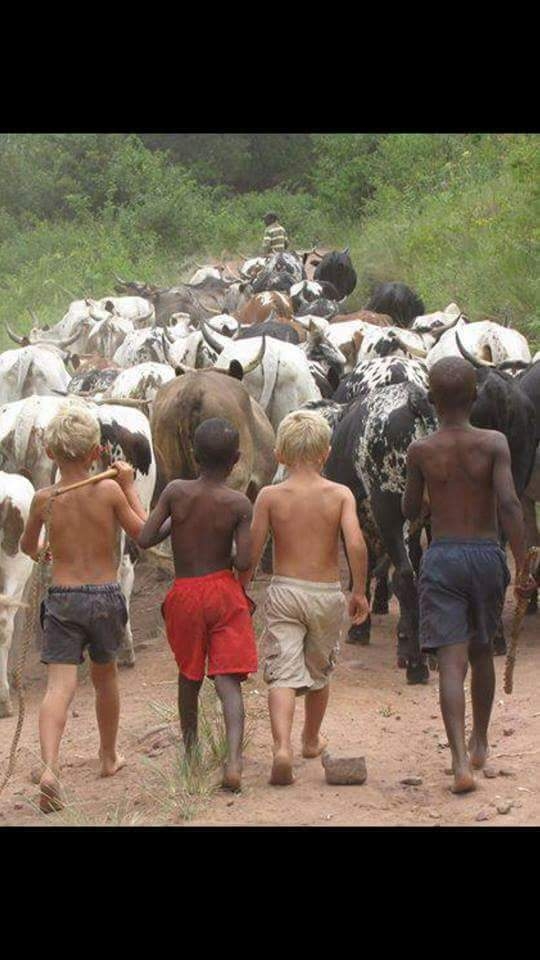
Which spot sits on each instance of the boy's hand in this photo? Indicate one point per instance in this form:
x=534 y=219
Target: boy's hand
x=125 y=476
x=358 y=608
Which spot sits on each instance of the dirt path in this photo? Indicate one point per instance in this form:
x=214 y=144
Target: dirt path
x=372 y=712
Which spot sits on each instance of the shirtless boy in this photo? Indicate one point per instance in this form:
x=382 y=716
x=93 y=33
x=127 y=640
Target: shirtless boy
x=206 y=611
x=464 y=574
x=84 y=606
x=305 y=606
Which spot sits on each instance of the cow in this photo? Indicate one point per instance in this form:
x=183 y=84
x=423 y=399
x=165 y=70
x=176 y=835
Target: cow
x=137 y=309
x=309 y=291
x=326 y=361
x=140 y=382
x=279 y=329
x=368 y=454
x=181 y=405
x=125 y=435
x=528 y=381
x=201 y=301
x=107 y=335
x=142 y=346
x=204 y=273
x=376 y=372
x=16 y=495
x=31 y=370
x=262 y=305
x=280 y=272
x=276 y=374
x=93 y=375
x=489 y=343
x=336 y=268
x=72 y=330
x=401 y=303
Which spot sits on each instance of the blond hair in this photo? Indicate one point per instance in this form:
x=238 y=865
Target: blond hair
x=302 y=437
x=72 y=433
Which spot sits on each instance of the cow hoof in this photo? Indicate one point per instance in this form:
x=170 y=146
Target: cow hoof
x=359 y=634
x=6 y=710
x=417 y=673
x=380 y=606
x=126 y=658
x=499 y=648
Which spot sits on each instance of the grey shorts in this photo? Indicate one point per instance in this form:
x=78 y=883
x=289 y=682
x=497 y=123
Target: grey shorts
x=301 y=639
x=461 y=592
x=72 y=618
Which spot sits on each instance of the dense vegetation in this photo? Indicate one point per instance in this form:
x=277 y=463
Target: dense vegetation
x=454 y=215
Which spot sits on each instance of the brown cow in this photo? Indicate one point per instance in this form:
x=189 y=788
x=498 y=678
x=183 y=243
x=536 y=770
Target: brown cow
x=182 y=404
x=261 y=306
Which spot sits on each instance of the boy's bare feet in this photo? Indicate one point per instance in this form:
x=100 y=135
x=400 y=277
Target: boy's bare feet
x=282 y=774
x=310 y=750
x=463 y=780
x=232 y=779
x=49 y=793
x=111 y=765
x=478 y=752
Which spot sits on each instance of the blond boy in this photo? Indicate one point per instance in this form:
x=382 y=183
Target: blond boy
x=84 y=606
x=305 y=606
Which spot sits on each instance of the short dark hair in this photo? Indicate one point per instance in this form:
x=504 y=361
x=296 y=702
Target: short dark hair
x=270 y=218
x=215 y=443
x=452 y=383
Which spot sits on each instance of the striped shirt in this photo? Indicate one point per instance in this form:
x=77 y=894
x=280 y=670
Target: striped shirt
x=275 y=239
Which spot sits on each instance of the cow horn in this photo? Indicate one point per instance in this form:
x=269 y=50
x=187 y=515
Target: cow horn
x=22 y=341
x=244 y=256
x=122 y=402
x=414 y=351
x=123 y=283
x=346 y=251
x=210 y=309
x=253 y=364
x=67 y=343
x=235 y=276
x=437 y=332
x=34 y=318
x=210 y=338
x=476 y=362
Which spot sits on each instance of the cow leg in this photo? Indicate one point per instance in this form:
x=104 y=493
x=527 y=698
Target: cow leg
x=126 y=577
x=7 y=619
x=381 y=595
x=360 y=633
x=533 y=539
x=387 y=513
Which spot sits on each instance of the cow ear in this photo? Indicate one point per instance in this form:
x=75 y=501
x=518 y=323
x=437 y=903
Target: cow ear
x=236 y=370
x=333 y=378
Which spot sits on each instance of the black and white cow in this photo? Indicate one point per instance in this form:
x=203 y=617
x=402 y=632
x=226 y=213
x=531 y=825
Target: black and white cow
x=369 y=450
x=125 y=435
x=378 y=372
x=16 y=495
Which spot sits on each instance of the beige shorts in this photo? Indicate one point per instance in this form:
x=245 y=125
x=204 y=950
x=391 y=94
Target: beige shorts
x=302 y=631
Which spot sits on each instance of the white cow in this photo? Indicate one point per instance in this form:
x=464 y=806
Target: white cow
x=275 y=373
x=484 y=339
x=125 y=435
x=137 y=309
x=107 y=335
x=141 y=346
x=140 y=382
x=31 y=370
x=16 y=495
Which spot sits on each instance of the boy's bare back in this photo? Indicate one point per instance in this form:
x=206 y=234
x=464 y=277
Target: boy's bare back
x=84 y=531
x=205 y=519
x=305 y=518
x=462 y=468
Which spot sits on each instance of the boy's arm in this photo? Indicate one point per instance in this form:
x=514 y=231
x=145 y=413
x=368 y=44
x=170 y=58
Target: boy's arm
x=412 y=499
x=29 y=543
x=158 y=525
x=509 y=507
x=357 y=557
x=260 y=528
x=125 y=479
x=242 y=537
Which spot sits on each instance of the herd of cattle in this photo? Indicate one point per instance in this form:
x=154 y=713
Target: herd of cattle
x=253 y=345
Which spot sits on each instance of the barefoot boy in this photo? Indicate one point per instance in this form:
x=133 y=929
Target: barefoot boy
x=305 y=605
x=206 y=611
x=464 y=574
x=84 y=606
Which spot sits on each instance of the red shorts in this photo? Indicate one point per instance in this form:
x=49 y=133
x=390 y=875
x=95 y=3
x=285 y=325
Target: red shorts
x=209 y=616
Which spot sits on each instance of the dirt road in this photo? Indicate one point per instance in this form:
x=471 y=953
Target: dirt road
x=372 y=712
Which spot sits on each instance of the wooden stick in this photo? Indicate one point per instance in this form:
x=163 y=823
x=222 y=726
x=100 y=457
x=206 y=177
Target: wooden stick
x=112 y=472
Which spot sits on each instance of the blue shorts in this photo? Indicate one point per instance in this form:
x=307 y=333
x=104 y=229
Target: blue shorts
x=461 y=592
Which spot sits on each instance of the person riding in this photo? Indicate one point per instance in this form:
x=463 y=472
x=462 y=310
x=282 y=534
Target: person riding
x=275 y=239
